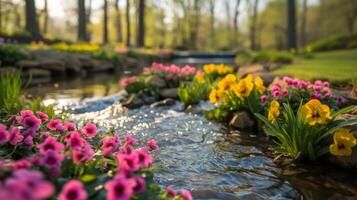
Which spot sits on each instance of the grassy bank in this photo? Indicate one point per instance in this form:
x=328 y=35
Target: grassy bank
x=335 y=66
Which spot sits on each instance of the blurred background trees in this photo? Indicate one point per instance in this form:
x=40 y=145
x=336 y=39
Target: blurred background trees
x=182 y=24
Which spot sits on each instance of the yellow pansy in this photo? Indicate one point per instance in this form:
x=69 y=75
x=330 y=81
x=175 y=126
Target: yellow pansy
x=209 y=68
x=259 y=84
x=219 y=68
x=274 y=111
x=343 y=143
x=216 y=95
x=227 y=82
x=315 y=112
x=199 y=78
x=244 y=87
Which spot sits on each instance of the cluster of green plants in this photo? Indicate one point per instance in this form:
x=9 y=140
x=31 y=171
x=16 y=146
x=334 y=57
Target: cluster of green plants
x=10 y=54
x=334 y=43
x=12 y=98
x=251 y=57
x=193 y=92
x=109 y=55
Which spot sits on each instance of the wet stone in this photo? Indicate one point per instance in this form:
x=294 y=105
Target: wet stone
x=242 y=120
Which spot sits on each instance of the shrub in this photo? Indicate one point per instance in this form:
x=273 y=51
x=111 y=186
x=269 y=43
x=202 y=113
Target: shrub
x=10 y=54
x=10 y=93
x=249 y=57
x=193 y=92
x=106 y=55
x=352 y=45
x=300 y=135
x=335 y=43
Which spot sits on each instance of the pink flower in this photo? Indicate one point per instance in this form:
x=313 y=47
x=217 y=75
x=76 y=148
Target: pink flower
x=11 y=119
x=31 y=122
x=44 y=135
x=152 y=144
x=130 y=140
x=120 y=188
x=53 y=123
x=187 y=70
x=89 y=130
x=4 y=134
x=125 y=81
x=73 y=190
x=42 y=115
x=74 y=140
x=325 y=90
x=129 y=162
x=326 y=84
x=284 y=92
x=50 y=144
x=109 y=145
x=23 y=115
x=315 y=95
x=186 y=195
x=15 y=136
x=51 y=159
x=139 y=185
x=83 y=155
x=263 y=99
x=170 y=192
x=317 y=88
x=29 y=132
x=60 y=128
x=28 y=141
x=28 y=184
x=340 y=100
x=70 y=126
x=144 y=158
x=21 y=164
x=318 y=82
x=126 y=149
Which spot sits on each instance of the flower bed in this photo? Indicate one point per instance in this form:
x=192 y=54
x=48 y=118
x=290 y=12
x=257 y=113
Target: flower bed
x=42 y=158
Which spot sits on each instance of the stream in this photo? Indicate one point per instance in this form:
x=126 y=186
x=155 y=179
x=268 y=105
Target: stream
x=202 y=156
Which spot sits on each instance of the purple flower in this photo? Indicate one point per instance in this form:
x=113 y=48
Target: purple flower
x=70 y=126
x=340 y=100
x=152 y=144
x=24 y=114
x=51 y=159
x=31 y=122
x=42 y=115
x=83 y=154
x=73 y=190
x=315 y=95
x=28 y=141
x=89 y=130
x=130 y=140
x=53 y=123
x=139 y=185
x=50 y=144
x=4 y=134
x=186 y=195
x=15 y=136
x=120 y=188
x=110 y=144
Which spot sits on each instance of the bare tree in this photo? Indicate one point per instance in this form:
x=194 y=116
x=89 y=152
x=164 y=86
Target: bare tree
x=105 y=22
x=45 y=22
x=303 y=23
x=141 y=24
x=291 y=33
x=118 y=22
x=235 y=21
x=253 y=9
x=212 y=6
x=128 y=31
x=195 y=24
x=82 y=22
x=351 y=17
x=31 y=19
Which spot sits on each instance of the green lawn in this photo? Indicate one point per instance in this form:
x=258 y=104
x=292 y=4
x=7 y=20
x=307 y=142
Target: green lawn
x=335 y=66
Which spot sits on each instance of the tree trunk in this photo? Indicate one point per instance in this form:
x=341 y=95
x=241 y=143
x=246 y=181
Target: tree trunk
x=128 y=31
x=82 y=21
x=0 y=14
x=45 y=22
x=195 y=25
x=291 y=33
x=31 y=19
x=212 y=21
x=235 y=23
x=105 y=22
x=118 y=22
x=253 y=26
x=141 y=24
x=351 y=17
x=303 y=23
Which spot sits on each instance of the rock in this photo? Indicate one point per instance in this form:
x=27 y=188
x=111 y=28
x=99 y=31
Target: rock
x=169 y=93
x=53 y=65
x=4 y=70
x=266 y=76
x=165 y=102
x=155 y=81
x=73 y=64
x=133 y=102
x=86 y=61
x=37 y=73
x=101 y=66
x=250 y=69
x=24 y=64
x=242 y=120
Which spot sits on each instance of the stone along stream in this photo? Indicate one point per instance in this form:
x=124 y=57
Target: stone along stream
x=203 y=156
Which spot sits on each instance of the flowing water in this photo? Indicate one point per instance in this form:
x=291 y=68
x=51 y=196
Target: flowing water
x=205 y=157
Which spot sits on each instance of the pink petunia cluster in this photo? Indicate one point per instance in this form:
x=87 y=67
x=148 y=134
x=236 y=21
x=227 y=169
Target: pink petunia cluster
x=170 y=72
x=126 y=81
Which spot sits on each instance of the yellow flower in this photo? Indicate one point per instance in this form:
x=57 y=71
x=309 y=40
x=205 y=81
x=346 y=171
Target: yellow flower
x=259 y=83
x=274 y=111
x=209 y=68
x=219 y=68
x=244 y=87
x=200 y=79
x=343 y=143
x=227 y=82
x=216 y=95
x=315 y=112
